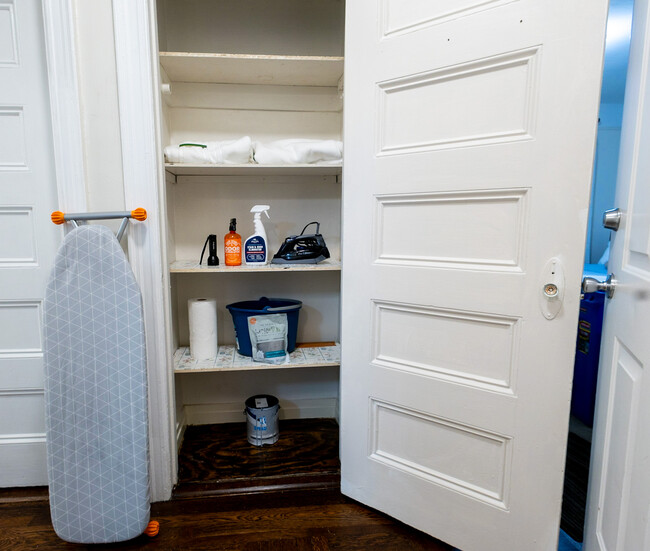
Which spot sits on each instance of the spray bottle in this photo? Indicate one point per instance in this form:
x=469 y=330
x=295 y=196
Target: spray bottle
x=255 y=247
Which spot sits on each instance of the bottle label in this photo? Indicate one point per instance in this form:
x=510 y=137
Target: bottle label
x=255 y=250
x=232 y=250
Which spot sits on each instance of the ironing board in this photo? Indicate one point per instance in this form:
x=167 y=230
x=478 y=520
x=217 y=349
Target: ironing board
x=95 y=392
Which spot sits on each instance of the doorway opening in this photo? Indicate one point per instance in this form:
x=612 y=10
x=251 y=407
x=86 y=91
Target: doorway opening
x=603 y=191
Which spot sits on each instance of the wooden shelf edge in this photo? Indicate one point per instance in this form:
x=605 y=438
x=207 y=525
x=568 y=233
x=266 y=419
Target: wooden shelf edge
x=260 y=367
x=228 y=68
x=227 y=358
x=181 y=169
x=193 y=267
x=270 y=57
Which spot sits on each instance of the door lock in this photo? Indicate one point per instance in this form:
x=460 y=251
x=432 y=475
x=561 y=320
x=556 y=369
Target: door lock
x=592 y=285
x=551 y=285
x=612 y=219
x=551 y=290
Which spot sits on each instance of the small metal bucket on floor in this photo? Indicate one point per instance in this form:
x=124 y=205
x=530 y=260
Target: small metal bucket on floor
x=262 y=419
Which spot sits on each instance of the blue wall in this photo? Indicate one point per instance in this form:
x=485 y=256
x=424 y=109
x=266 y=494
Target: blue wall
x=603 y=190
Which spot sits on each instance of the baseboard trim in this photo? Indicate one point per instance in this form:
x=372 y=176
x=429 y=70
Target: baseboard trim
x=22 y=460
x=232 y=412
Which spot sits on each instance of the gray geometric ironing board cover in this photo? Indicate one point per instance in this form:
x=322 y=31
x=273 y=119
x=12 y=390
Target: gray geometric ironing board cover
x=95 y=392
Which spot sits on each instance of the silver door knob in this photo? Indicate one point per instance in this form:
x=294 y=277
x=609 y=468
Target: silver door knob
x=612 y=219
x=592 y=285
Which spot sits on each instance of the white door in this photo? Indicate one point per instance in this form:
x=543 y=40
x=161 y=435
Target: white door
x=618 y=513
x=28 y=240
x=469 y=139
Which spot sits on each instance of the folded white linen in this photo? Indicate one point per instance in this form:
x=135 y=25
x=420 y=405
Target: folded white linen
x=297 y=151
x=223 y=152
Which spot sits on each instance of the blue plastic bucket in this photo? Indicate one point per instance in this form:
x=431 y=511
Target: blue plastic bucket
x=241 y=311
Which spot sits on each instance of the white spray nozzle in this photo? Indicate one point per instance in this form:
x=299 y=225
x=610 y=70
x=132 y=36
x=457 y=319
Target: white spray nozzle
x=259 y=209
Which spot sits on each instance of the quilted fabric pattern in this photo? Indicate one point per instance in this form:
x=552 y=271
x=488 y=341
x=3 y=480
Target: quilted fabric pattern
x=95 y=392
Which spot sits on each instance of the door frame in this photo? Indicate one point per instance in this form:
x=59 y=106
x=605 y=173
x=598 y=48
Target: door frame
x=60 y=53
x=137 y=76
x=138 y=89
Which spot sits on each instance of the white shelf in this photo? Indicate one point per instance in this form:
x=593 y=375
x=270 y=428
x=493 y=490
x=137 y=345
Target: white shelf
x=228 y=359
x=193 y=267
x=181 y=169
x=252 y=69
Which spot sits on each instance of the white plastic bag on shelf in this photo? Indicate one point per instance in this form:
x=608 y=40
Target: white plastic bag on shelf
x=269 y=338
x=298 y=151
x=238 y=151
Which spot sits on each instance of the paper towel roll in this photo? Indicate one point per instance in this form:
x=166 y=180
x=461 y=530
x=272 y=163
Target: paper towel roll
x=203 y=327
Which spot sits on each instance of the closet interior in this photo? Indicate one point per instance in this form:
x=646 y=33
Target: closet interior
x=269 y=71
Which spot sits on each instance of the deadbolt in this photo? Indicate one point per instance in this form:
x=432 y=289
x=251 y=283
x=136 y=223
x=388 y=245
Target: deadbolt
x=612 y=219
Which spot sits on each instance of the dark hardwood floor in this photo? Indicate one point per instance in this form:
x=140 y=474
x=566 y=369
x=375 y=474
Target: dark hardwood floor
x=217 y=459
x=237 y=497
x=285 y=521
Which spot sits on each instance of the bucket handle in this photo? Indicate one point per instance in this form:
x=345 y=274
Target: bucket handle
x=247 y=412
x=282 y=308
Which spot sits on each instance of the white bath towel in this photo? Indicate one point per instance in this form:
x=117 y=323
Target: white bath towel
x=224 y=152
x=297 y=151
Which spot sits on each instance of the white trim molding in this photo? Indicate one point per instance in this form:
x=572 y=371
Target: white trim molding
x=22 y=392
x=60 y=51
x=22 y=460
x=139 y=105
x=31 y=438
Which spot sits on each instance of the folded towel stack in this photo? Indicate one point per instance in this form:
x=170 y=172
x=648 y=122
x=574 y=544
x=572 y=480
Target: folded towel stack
x=225 y=152
x=243 y=151
x=297 y=151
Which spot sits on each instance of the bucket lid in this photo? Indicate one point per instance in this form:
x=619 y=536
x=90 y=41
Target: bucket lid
x=253 y=401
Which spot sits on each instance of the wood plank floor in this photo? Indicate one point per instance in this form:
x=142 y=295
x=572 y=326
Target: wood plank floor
x=237 y=497
x=217 y=459
x=286 y=521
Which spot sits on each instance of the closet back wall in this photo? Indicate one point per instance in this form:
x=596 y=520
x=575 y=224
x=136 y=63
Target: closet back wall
x=203 y=206
x=289 y=27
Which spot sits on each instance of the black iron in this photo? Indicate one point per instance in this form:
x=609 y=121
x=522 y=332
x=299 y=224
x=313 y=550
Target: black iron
x=302 y=249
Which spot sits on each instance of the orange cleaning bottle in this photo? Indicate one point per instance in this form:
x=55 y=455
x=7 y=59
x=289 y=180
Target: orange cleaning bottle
x=232 y=245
